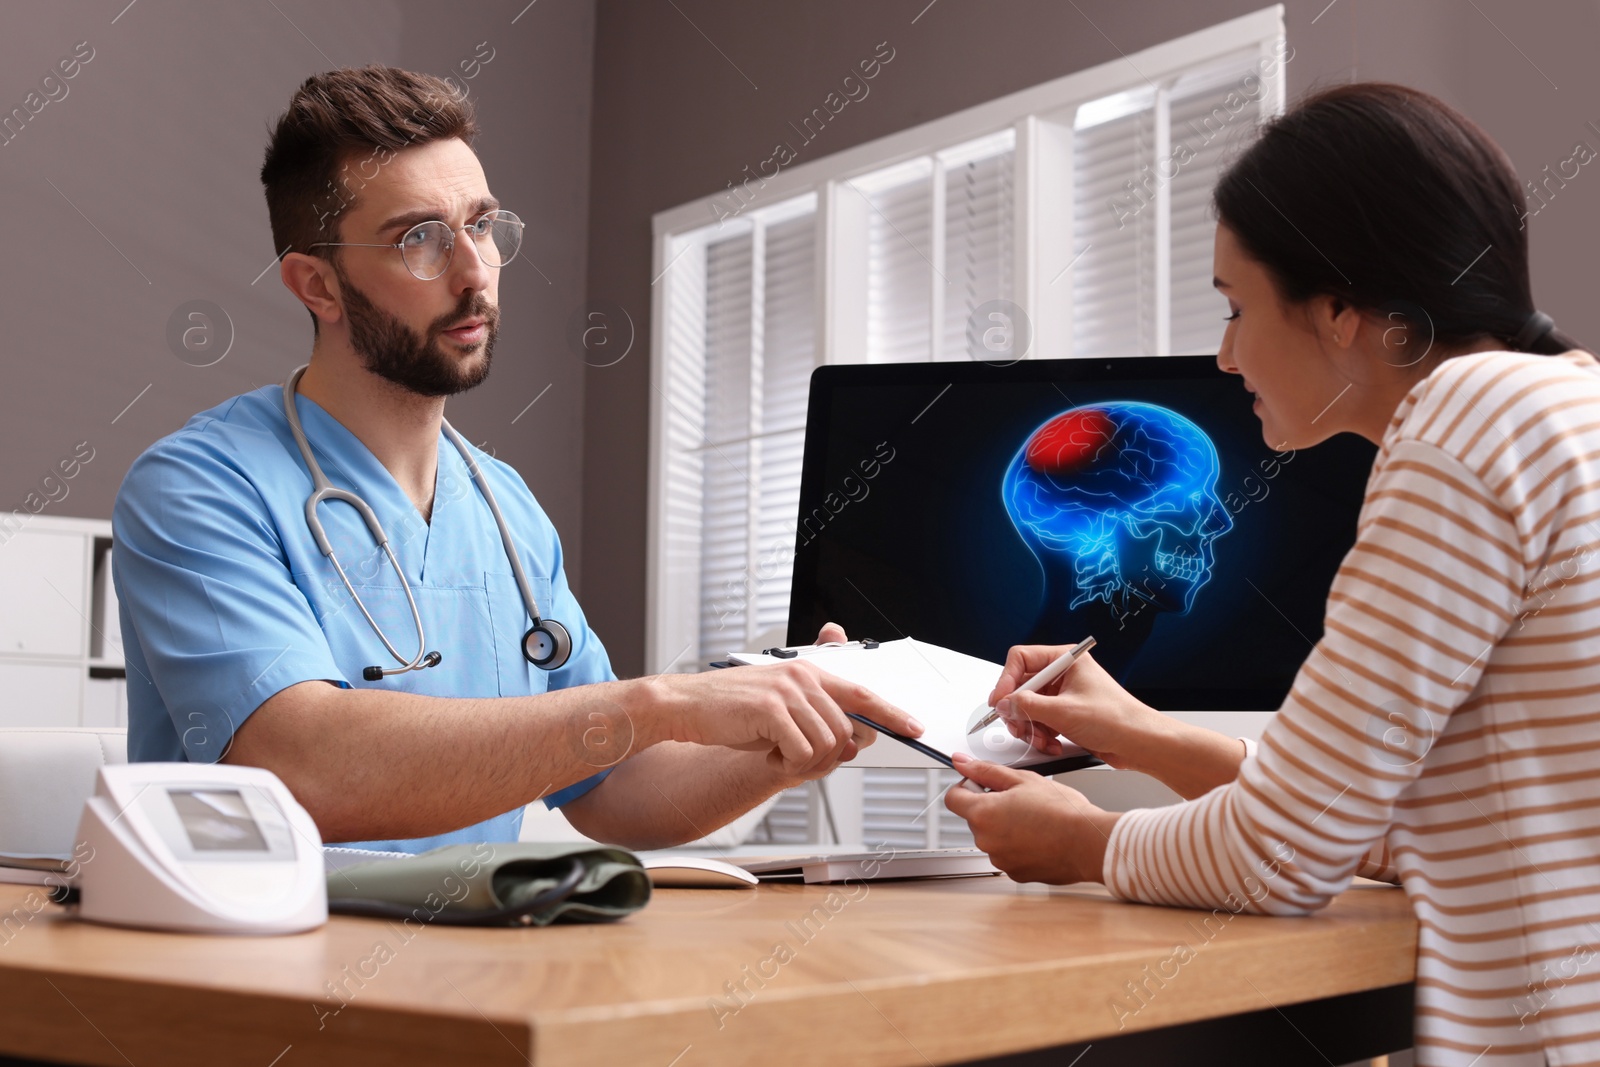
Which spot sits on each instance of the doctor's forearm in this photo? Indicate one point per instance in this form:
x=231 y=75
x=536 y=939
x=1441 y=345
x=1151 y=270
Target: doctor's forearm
x=674 y=793
x=372 y=765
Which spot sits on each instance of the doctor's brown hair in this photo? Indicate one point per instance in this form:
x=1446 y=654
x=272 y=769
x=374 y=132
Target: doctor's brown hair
x=1387 y=198
x=341 y=127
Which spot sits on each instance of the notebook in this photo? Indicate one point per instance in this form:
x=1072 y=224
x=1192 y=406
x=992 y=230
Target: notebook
x=940 y=688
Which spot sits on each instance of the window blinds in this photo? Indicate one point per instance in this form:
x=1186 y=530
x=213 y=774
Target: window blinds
x=1113 y=282
x=939 y=245
x=759 y=343
x=900 y=269
x=1202 y=123
x=979 y=222
x=1144 y=165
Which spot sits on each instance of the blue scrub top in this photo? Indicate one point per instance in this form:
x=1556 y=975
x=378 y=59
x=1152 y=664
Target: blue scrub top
x=225 y=598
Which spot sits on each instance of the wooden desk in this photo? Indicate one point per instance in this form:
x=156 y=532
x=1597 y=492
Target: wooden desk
x=892 y=973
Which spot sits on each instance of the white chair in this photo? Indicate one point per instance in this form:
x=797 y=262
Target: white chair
x=46 y=774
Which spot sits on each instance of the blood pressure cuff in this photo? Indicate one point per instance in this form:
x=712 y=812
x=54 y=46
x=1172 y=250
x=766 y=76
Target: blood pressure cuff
x=495 y=884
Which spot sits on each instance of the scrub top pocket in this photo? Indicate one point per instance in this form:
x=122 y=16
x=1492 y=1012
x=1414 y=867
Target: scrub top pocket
x=508 y=618
x=456 y=621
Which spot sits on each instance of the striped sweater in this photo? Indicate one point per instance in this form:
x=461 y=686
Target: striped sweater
x=1445 y=731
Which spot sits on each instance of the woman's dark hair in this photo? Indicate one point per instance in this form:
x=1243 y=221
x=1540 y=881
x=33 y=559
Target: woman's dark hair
x=1390 y=199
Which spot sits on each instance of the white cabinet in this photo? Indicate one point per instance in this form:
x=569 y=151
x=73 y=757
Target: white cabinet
x=60 y=645
x=105 y=700
x=40 y=694
x=43 y=588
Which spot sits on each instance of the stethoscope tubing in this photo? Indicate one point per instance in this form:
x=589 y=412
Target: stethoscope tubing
x=322 y=489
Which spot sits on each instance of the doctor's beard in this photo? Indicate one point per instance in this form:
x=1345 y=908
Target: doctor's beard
x=395 y=352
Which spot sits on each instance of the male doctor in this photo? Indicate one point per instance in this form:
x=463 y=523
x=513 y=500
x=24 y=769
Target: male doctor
x=242 y=642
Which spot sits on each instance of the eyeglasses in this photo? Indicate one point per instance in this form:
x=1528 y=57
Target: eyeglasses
x=428 y=247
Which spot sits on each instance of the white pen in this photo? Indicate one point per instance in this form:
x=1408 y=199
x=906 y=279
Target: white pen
x=1056 y=669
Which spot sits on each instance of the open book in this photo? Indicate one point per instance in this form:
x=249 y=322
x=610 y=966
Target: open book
x=939 y=687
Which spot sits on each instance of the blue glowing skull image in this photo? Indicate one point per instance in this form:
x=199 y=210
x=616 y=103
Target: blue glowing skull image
x=1118 y=502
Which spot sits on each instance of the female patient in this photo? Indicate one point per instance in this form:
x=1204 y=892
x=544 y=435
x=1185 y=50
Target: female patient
x=1444 y=732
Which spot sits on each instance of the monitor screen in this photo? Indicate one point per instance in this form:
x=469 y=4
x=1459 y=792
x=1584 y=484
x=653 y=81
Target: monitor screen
x=979 y=507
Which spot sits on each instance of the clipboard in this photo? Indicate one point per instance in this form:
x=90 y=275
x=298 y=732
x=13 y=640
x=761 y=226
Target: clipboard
x=940 y=687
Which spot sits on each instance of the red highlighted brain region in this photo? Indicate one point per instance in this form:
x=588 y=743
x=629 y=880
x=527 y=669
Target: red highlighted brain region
x=1071 y=442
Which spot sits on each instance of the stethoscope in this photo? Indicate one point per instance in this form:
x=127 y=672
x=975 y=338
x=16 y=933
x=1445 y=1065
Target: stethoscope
x=547 y=644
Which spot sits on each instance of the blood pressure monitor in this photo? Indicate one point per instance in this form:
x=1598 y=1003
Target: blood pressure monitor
x=203 y=848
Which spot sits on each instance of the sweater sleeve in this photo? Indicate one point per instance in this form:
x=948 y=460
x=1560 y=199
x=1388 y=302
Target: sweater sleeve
x=1377 y=864
x=1431 y=585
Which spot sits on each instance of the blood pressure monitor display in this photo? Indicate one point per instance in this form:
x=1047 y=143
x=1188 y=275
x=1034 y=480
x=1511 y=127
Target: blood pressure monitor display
x=217 y=820
x=204 y=823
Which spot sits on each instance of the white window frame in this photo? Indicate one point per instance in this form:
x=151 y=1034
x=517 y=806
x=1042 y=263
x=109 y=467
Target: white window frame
x=1043 y=118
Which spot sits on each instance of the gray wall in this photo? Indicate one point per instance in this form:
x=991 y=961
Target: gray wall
x=158 y=142
x=676 y=117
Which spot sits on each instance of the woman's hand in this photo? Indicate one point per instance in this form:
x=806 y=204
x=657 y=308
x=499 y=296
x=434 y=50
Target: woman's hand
x=1033 y=829
x=1085 y=705
x=831 y=631
x=1088 y=707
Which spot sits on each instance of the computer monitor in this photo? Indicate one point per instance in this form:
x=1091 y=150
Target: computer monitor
x=979 y=507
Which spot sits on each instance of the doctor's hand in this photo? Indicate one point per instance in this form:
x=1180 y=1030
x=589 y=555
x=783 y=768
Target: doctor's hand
x=1088 y=707
x=792 y=711
x=1033 y=829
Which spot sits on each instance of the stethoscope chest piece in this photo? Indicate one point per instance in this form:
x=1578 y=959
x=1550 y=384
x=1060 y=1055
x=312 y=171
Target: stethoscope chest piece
x=547 y=644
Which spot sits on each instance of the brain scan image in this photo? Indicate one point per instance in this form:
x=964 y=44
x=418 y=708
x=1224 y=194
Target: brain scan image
x=1118 y=503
